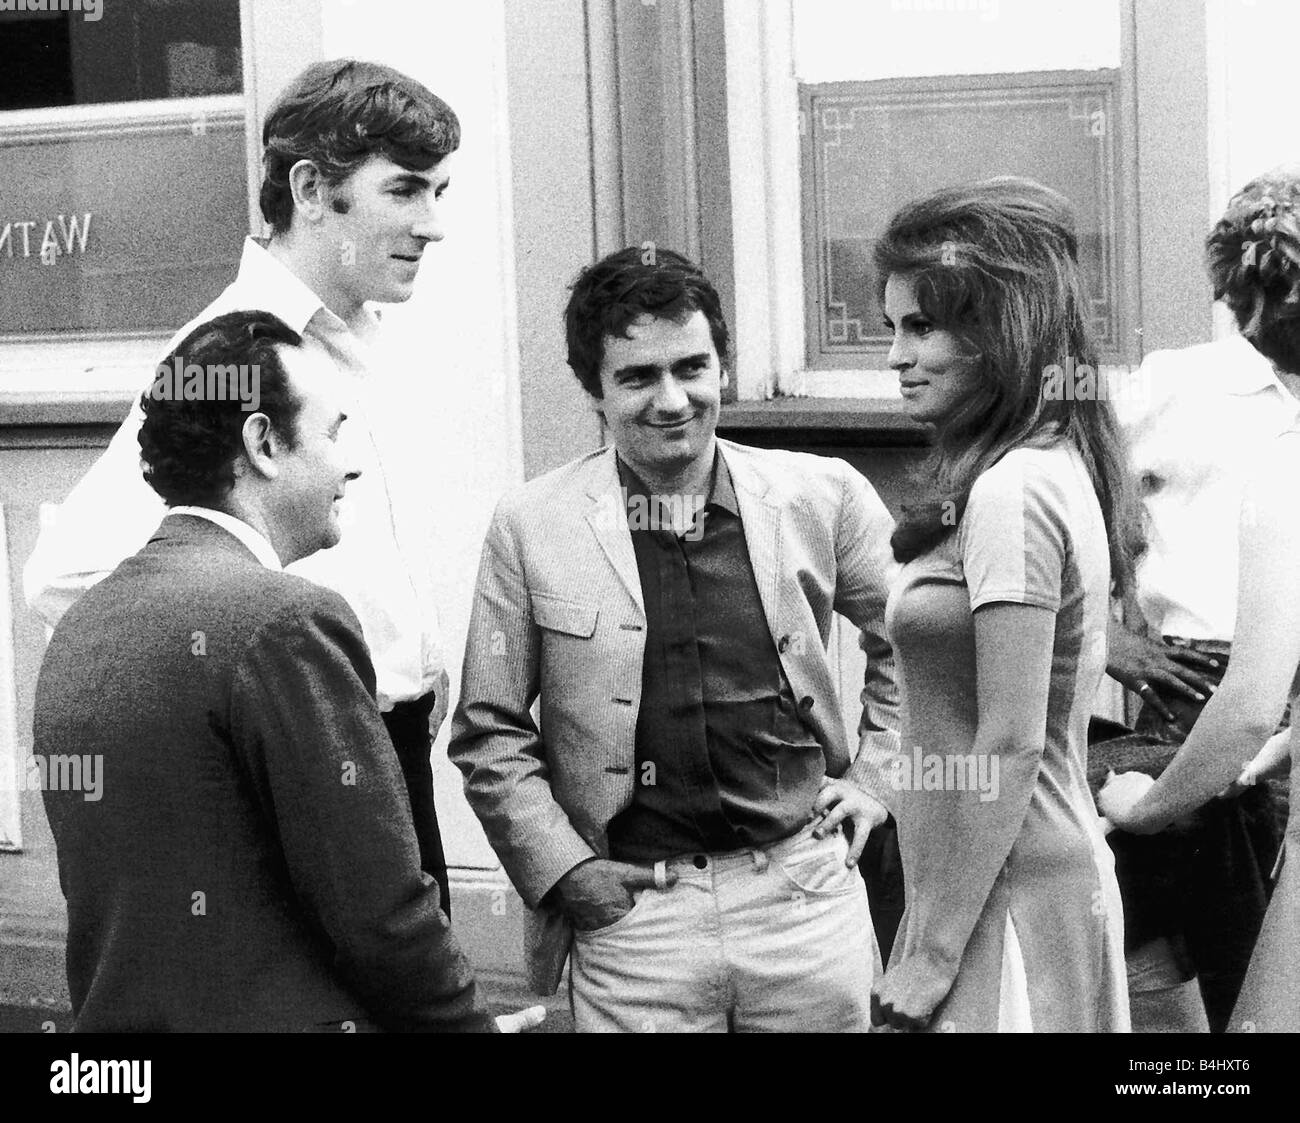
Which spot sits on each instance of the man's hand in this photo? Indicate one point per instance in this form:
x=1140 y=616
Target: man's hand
x=1246 y=779
x=1119 y=795
x=840 y=800
x=1146 y=666
x=597 y=892
x=522 y=1020
x=906 y=996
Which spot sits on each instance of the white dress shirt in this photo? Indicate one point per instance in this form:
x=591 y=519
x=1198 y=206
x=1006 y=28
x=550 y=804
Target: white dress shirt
x=383 y=567
x=1197 y=420
x=256 y=542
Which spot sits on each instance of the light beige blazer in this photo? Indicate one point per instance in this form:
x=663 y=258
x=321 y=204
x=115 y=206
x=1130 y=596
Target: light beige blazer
x=558 y=613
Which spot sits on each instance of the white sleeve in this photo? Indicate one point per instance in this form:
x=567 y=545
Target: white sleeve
x=106 y=518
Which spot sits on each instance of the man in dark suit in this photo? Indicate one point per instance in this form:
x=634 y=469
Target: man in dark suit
x=252 y=863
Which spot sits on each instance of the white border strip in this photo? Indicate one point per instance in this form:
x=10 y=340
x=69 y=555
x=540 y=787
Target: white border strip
x=11 y=835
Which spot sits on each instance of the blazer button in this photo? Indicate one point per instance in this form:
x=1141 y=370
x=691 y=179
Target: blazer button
x=806 y=702
x=782 y=644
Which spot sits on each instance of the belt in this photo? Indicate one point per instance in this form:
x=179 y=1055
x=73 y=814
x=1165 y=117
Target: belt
x=756 y=856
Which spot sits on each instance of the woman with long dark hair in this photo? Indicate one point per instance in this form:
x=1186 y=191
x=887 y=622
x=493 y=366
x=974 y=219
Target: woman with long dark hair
x=1013 y=918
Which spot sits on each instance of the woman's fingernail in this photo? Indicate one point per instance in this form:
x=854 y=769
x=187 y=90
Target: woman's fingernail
x=1200 y=697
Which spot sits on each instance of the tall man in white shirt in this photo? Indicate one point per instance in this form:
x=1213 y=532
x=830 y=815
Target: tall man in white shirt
x=355 y=163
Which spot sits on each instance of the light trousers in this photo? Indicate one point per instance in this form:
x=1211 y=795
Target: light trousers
x=772 y=939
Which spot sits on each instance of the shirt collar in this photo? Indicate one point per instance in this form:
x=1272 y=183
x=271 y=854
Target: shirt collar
x=257 y=544
x=1253 y=373
x=722 y=494
x=278 y=290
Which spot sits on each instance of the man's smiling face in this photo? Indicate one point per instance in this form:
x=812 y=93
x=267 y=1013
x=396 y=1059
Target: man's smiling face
x=382 y=218
x=661 y=393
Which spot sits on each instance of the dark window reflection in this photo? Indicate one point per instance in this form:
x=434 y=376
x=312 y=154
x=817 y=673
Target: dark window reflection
x=138 y=50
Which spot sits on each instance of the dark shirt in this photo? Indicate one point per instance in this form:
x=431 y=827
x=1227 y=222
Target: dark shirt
x=723 y=759
x=1204 y=881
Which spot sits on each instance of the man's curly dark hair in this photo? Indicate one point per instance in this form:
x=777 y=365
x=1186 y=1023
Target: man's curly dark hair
x=1253 y=257
x=188 y=448
x=637 y=281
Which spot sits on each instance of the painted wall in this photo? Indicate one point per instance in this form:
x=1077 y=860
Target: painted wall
x=456 y=338
x=33 y=918
x=1256 y=42
x=550 y=149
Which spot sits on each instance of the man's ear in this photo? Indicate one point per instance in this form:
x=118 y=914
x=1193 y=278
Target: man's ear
x=262 y=446
x=309 y=190
x=595 y=404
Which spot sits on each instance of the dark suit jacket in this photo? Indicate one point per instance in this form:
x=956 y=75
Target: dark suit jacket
x=251 y=863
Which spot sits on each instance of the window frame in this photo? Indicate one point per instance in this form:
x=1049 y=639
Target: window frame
x=1169 y=67
x=277 y=39
x=1086 y=89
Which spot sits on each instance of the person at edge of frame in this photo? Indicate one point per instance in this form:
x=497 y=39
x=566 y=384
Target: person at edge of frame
x=1249 y=542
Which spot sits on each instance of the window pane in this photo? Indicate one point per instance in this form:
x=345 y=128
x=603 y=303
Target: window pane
x=852 y=40
x=874 y=146
x=126 y=217
x=902 y=97
x=121 y=230
x=135 y=50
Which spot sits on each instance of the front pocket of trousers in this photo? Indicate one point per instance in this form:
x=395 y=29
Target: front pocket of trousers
x=822 y=874
x=640 y=906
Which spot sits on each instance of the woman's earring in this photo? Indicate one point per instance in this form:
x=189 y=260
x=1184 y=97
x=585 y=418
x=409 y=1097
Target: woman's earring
x=725 y=380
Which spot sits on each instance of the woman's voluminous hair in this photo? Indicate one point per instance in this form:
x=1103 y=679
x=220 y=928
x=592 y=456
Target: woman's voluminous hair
x=338 y=114
x=1253 y=257
x=996 y=264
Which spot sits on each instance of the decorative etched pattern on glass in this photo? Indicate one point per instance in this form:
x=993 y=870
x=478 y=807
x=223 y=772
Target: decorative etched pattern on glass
x=868 y=147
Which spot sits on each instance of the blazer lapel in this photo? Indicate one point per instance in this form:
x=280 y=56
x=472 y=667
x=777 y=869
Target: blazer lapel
x=608 y=520
x=761 y=517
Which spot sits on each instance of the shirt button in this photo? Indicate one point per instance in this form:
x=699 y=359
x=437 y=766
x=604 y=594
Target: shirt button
x=701 y=862
x=806 y=702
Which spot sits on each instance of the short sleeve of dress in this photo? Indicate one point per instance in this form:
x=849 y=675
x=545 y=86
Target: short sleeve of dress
x=1013 y=533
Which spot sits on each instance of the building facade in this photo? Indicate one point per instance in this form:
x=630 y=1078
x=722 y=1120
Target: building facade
x=765 y=138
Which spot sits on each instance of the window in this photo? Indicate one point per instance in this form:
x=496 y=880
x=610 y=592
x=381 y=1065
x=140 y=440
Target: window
x=122 y=152
x=119 y=50
x=869 y=147
x=838 y=111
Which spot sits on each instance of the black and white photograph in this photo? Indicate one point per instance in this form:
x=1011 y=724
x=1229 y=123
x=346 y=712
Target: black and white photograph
x=550 y=517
